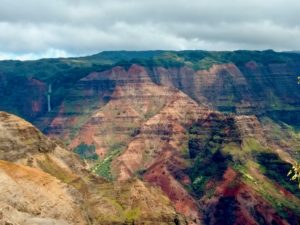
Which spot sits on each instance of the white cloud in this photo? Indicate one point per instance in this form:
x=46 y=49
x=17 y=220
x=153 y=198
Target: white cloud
x=33 y=28
x=51 y=53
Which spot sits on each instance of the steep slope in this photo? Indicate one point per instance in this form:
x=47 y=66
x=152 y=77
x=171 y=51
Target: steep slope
x=22 y=137
x=252 y=82
x=235 y=173
x=29 y=196
x=215 y=131
x=251 y=87
x=134 y=99
x=229 y=157
x=43 y=183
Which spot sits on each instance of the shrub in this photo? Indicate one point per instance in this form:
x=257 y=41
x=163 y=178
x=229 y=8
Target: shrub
x=86 y=152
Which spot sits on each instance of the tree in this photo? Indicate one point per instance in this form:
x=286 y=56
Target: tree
x=294 y=173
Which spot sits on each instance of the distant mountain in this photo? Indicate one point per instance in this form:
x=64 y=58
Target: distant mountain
x=298 y=52
x=217 y=132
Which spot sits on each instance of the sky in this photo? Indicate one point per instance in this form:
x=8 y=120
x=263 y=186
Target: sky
x=32 y=29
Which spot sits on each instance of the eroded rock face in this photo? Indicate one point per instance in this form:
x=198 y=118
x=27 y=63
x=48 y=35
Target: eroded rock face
x=250 y=82
x=221 y=86
x=30 y=196
x=166 y=128
x=250 y=127
x=134 y=99
x=19 y=139
x=238 y=202
x=53 y=187
x=143 y=204
x=226 y=175
x=168 y=174
x=147 y=124
x=81 y=102
x=250 y=88
x=165 y=165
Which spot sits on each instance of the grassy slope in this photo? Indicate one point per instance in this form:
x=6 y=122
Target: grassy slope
x=257 y=165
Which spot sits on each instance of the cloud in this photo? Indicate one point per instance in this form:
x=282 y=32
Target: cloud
x=33 y=28
x=51 y=53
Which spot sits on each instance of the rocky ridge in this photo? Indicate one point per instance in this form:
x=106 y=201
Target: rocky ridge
x=50 y=185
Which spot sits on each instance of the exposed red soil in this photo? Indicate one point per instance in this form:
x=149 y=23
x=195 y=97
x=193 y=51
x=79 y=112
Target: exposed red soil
x=248 y=204
x=161 y=174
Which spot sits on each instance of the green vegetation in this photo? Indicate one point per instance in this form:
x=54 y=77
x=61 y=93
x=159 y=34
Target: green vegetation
x=276 y=169
x=49 y=166
x=132 y=214
x=294 y=173
x=103 y=168
x=206 y=149
x=213 y=152
x=283 y=203
x=49 y=70
x=204 y=169
x=284 y=134
x=74 y=68
x=165 y=59
x=86 y=152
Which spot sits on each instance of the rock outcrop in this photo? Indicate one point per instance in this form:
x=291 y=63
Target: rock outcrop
x=46 y=184
x=30 y=196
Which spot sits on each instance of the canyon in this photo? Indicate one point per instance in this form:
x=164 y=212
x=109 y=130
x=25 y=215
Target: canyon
x=155 y=137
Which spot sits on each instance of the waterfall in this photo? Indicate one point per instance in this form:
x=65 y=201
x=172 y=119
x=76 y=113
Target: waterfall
x=49 y=97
